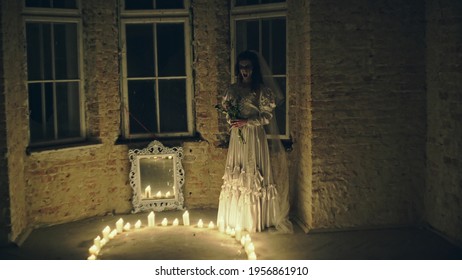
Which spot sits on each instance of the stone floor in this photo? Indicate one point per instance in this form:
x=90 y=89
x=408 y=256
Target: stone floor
x=72 y=241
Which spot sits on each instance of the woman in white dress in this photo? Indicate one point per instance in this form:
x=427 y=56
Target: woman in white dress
x=249 y=196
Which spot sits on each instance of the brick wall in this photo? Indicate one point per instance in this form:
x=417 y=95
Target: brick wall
x=443 y=195
x=368 y=112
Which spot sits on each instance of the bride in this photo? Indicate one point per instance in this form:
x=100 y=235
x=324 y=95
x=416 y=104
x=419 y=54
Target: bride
x=250 y=199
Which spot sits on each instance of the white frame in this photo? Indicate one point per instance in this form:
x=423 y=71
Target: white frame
x=156 y=149
x=51 y=15
x=258 y=12
x=154 y=17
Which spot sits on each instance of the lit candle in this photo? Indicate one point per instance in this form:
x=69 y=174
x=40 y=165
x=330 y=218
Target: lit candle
x=138 y=224
x=159 y=194
x=164 y=222
x=113 y=234
x=120 y=225
x=147 y=192
x=97 y=241
x=93 y=250
x=247 y=240
x=186 y=218
x=167 y=195
x=151 y=219
x=249 y=248
x=233 y=233
x=103 y=241
x=252 y=256
x=106 y=232
x=175 y=222
x=228 y=230
x=238 y=234
x=211 y=225
x=200 y=224
x=243 y=240
x=91 y=258
x=127 y=227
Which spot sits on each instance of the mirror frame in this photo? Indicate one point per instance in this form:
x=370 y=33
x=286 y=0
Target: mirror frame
x=155 y=149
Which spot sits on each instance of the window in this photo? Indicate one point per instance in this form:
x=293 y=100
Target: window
x=263 y=28
x=53 y=74
x=157 y=82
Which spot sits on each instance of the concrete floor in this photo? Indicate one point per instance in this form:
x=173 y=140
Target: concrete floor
x=71 y=241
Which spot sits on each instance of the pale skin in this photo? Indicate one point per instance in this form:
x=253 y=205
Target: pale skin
x=245 y=70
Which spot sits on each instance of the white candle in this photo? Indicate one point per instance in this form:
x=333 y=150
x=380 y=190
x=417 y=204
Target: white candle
x=238 y=234
x=91 y=258
x=186 y=218
x=247 y=240
x=138 y=224
x=159 y=194
x=233 y=233
x=243 y=240
x=211 y=225
x=97 y=241
x=127 y=227
x=120 y=225
x=106 y=232
x=252 y=256
x=164 y=222
x=167 y=195
x=200 y=224
x=151 y=219
x=93 y=250
x=249 y=248
x=147 y=192
x=228 y=230
x=104 y=241
x=113 y=234
x=175 y=222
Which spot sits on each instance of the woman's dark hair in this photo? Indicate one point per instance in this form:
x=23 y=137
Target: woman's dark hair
x=257 y=78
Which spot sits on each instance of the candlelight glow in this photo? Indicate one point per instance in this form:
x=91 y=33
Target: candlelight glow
x=186 y=218
x=200 y=224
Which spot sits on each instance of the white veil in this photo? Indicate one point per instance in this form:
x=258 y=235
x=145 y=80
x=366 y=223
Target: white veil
x=279 y=161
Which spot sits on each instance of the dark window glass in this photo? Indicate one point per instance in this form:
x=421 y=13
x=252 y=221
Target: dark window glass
x=256 y=2
x=247 y=35
x=68 y=109
x=153 y=4
x=41 y=119
x=170 y=50
x=39 y=62
x=142 y=106
x=140 y=50
x=172 y=100
x=60 y=4
x=274 y=44
x=66 y=52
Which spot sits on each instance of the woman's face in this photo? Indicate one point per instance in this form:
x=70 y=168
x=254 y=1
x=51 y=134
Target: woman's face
x=245 y=69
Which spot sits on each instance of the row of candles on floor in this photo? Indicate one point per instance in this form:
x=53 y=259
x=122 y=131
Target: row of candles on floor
x=236 y=233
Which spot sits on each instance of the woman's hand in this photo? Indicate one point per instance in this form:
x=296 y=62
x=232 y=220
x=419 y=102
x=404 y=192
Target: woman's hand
x=238 y=123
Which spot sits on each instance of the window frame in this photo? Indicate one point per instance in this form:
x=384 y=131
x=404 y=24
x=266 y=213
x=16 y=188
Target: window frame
x=261 y=12
x=156 y=17
x=53 y=16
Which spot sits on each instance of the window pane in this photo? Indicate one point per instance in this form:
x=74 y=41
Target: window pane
x=139 y=4
x=169 y=4
x=170 y=50
x=142 y=106
x=247 y=36
x=255 y=2
x=41 y=118
x=281 y=108
x=66 y=54
x=61 y=4
x=173 y=115
x=39 y=51
x=68 y=109
x=274 y=44
x=140 y=50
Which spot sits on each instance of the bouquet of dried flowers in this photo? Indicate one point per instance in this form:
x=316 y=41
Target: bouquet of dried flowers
x=232 y=110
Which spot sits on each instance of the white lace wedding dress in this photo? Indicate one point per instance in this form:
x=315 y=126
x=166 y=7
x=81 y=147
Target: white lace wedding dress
x=248 y=198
